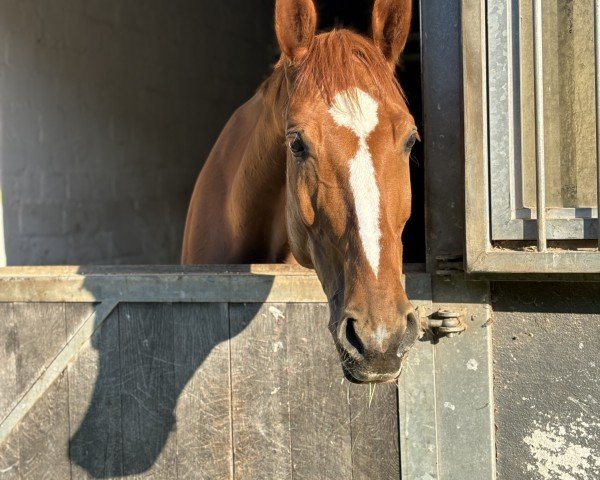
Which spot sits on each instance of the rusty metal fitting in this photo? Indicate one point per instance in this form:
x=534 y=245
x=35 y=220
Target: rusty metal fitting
x=446 y=323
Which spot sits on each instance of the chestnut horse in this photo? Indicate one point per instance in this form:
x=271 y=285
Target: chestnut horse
x=314 y=169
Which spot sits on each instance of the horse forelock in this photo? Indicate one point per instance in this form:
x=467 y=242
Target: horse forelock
x=342 y=61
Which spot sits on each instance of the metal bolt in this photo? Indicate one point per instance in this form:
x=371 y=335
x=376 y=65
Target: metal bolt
x=435 y=322
x=450 y=322
x=446 y=323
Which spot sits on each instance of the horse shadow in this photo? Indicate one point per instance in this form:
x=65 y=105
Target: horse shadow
x=142 y=359
x=146 y=355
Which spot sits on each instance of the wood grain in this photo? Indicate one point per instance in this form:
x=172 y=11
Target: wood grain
x=147 y=389
x=9 y=451
x=43 y=435
x=204 y=447
x=375 y=445
x=260 y=402
x=40 y=335
x=9 y=346
x=76 y=314
x=257 y=389
x=33 y=335
x=95 y=445
x=9 y=458
x=319 y=397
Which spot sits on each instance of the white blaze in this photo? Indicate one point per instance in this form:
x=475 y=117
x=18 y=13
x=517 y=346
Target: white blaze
x=358 y=111
x=380 y=335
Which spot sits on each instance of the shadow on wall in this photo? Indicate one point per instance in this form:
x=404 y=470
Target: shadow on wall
x=109 y=111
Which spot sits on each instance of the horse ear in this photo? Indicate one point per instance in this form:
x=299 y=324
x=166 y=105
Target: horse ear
x=391 y=26
x=295 y=27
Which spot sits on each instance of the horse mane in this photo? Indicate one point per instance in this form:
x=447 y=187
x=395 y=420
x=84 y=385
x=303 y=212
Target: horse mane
x=340 y=60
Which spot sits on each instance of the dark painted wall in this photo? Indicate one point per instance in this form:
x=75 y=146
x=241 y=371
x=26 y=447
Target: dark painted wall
x=546 y=340
x=108 y=109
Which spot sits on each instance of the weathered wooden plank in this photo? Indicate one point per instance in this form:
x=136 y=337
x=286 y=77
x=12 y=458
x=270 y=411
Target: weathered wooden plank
x=43 y=435
x=279 y=269
x=76 y=314
x=66 y=284
x=163 y=288
x=8 y=359
x=55 y=367
x=32 y=335
x=147 y=389
x=95 y=447
x=204 y=447
x=374 y=424
x=9 y=459
x=33 y=353
x=260 y=402
x=40 y=336
x=319 y=397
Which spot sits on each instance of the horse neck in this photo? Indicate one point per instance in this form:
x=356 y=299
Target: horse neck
x=257 y=200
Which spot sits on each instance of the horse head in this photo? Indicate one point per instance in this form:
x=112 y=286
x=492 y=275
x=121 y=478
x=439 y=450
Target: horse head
x=349 y=135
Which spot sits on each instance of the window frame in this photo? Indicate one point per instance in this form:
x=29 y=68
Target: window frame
x=480 y=255
x=510 y=219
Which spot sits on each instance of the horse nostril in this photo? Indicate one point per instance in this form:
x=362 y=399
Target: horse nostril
x=412 y=334
x=352 y=337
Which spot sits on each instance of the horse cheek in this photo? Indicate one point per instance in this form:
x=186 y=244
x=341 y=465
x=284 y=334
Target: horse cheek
x=305 y=206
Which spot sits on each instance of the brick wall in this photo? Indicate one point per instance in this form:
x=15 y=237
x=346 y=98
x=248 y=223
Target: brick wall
x=108 y=109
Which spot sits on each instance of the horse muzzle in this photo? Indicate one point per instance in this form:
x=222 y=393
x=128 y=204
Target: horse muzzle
x=372 y=353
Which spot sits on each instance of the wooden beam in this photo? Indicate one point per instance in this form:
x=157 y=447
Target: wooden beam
x=213 y=284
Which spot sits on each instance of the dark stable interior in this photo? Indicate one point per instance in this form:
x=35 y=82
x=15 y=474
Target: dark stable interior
x=356 y=15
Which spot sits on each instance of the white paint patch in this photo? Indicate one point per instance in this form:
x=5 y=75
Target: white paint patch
x=566 y=452
x=277 y=314
x=357 y=111
x=472 y=364
x=449 y=405
x=380 y=335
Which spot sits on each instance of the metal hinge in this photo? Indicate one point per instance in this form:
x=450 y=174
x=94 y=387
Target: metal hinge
x=446 y=323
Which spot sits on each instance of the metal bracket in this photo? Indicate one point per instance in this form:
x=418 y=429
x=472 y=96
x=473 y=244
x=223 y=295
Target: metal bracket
x=449 y=264
x=446 y=323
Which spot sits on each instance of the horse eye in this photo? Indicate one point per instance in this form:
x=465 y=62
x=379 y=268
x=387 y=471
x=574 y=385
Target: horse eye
x=410 y=143
x=298 y=148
